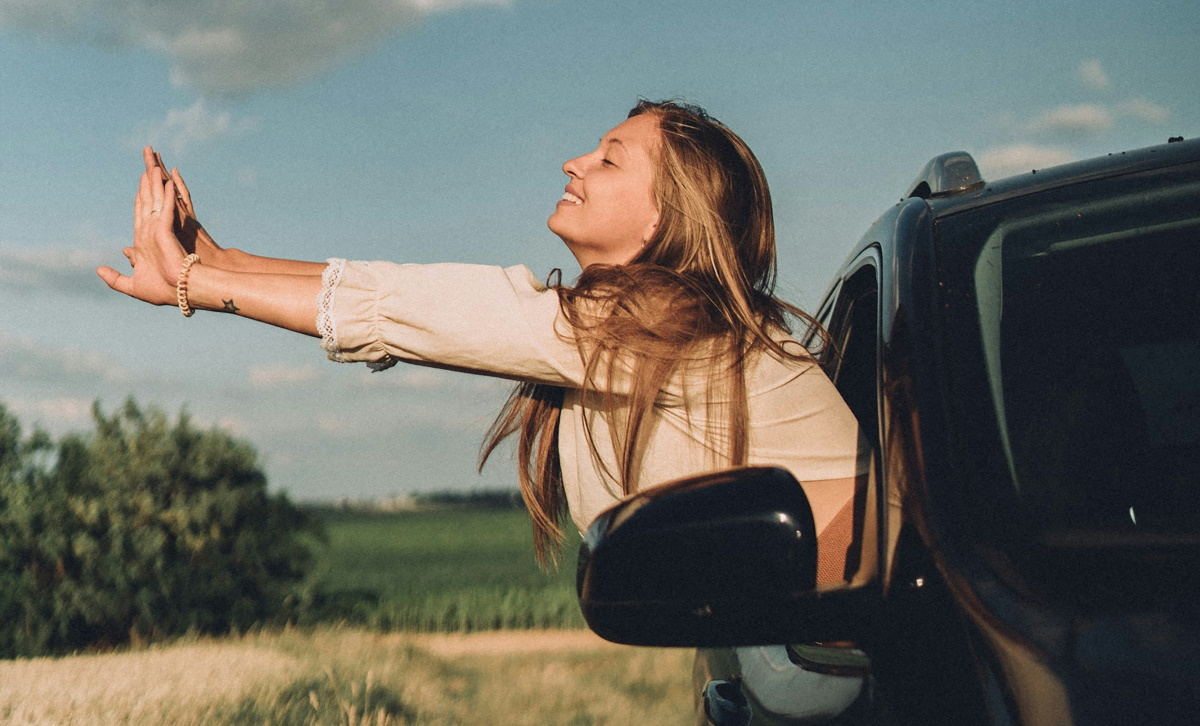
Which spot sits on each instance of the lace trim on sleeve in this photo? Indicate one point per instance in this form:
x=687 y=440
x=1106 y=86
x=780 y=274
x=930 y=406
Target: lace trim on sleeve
x=325 y=327
x=329 y=282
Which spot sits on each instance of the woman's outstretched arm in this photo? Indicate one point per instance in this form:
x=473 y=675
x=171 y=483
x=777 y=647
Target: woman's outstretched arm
x=287 y=299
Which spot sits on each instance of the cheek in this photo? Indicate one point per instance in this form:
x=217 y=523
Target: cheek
x=643 y=211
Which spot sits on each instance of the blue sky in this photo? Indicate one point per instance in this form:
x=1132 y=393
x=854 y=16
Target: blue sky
x=434 y=130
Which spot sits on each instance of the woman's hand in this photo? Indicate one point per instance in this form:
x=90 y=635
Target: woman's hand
x=191 y=233
x=157 y=254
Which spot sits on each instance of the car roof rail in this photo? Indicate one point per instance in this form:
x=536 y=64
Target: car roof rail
x=946 y=175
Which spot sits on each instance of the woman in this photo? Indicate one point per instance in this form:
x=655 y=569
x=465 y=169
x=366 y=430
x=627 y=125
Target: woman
x=669 y=356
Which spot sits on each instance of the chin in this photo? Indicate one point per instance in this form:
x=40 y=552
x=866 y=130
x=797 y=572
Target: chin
x=556 y=226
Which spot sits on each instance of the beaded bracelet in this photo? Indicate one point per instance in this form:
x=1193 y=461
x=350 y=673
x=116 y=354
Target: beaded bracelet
x=181 y=285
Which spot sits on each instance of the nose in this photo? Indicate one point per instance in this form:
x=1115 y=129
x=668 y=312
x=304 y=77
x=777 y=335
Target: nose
x=573 y=167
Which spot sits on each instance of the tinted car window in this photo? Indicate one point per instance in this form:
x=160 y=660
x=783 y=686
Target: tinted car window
x=1074 y=346
x=853 y=364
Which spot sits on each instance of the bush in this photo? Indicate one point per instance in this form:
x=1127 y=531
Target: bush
x=142 y=528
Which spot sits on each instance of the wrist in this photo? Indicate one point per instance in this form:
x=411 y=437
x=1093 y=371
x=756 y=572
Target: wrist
x=225 y=258
x=181 y=284
x=205 y=281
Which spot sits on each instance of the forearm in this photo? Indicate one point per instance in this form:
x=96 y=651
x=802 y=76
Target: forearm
x=286 y=300
x=235 y=260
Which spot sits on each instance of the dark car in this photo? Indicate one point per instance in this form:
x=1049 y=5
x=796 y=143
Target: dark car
x=1024 y=357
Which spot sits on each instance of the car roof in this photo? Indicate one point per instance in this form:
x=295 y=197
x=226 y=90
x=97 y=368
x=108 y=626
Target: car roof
x=1101 y=167
x=951 y=184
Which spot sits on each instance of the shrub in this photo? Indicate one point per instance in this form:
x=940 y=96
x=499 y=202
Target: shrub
x=143 y=528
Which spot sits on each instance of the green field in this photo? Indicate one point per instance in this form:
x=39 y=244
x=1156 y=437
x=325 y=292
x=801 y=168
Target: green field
x=447 y=569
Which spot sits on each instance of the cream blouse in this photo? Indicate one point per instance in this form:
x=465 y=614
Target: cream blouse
x=503 y=322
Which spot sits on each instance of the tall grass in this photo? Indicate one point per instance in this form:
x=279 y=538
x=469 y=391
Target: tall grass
x=456 y=569
x=348 y=677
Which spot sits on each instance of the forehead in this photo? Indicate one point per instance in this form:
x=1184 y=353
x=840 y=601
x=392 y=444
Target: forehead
x=639 y=134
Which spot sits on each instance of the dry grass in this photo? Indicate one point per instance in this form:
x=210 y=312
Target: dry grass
x=352 y=677
x=153 y=686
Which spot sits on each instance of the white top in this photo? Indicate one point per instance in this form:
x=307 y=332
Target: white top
x=504 y=322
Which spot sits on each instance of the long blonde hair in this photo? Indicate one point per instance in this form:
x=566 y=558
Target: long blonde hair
x=700 y=293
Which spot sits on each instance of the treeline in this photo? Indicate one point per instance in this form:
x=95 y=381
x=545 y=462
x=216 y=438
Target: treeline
x=488 y=498
x=144 y=527
x=444 y=499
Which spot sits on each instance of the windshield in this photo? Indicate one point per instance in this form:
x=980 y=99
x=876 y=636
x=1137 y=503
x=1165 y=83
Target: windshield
x=1076 y=359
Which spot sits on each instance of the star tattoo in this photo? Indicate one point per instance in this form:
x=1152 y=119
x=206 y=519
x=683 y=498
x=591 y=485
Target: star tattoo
x=230 y=307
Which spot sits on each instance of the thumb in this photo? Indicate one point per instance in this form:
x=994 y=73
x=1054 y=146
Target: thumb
x=114 y=279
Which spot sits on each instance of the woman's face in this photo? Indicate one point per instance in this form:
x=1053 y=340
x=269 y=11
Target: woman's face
x=608 y=212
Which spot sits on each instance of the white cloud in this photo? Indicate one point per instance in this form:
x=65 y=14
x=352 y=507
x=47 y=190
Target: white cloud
x=1145 y=110
x=437 y=6
x=1092 y=75
x=331 y=424
x=63 y=269
x=26 y=360
x=1085 y=119
x=426 y=378
x=58 y=413
x=230 y=46
x=185 y=127
x=1020 y=158
x=282 y=375
x=235 y=425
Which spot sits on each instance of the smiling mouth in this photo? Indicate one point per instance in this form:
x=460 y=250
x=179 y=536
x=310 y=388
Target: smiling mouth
x=569 y=197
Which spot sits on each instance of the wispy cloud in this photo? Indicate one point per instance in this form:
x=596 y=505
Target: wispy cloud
x=185 y=127
x=1057 y=135
x=1020 y=158
x=282 y=375
x=56 y=413
x=230 y=46
x=1091 y=74
x=1084 y=119
x=26 y=360
x=1145 y=110
x=62 y=269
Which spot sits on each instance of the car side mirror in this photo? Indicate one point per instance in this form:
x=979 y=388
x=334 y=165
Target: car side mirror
x=720 y=559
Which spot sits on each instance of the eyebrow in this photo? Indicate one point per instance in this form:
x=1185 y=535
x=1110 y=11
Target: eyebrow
x=615 y=142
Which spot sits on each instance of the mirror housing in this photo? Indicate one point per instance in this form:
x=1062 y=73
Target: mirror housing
x=720 y=559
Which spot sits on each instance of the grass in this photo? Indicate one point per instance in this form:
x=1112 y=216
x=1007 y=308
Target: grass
x=350 y=677
x=456 y=569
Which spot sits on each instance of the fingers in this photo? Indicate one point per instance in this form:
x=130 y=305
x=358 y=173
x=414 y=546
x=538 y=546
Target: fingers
x=151 y=193
x=154 y=161
x=166 y=214
x=182 y=192
x=156 y=191
x=142 y=202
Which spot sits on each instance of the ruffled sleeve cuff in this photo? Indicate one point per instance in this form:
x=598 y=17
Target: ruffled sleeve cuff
x=326 y=326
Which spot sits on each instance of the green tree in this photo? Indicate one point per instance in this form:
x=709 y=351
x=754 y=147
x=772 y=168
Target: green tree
x=25 y=498
x=142 y=528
